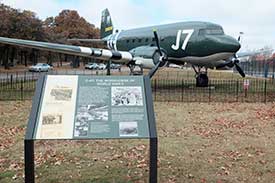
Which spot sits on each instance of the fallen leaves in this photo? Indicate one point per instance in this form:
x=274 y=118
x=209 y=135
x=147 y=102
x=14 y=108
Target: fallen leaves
x=266 y=113
x=8 y=136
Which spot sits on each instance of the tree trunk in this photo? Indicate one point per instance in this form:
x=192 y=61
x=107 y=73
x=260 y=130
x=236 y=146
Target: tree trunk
x=35 y=52
x=2 y=52
x=32 y=58
x=13 y=51
x=49 y=58
x=60 y=59
x=6 y=58
x=25 y=58
x=21 y=57
x=66 y=58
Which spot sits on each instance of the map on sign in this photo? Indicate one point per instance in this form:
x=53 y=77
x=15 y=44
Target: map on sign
x=86 y=107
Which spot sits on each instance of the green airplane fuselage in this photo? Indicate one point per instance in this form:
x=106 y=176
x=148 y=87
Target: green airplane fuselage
x=179 y=40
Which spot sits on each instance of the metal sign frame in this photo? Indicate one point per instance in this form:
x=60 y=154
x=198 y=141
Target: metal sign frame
x=30 y=132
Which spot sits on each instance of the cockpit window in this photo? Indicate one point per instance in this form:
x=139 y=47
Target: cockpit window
x=212 y=31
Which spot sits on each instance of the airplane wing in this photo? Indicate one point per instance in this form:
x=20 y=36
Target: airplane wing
x=103 y=54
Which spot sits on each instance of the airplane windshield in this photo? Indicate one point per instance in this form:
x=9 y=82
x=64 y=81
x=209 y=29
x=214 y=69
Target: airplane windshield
x=216 y=31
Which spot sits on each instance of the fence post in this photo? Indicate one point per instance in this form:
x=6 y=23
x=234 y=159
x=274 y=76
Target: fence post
x=16 y=77
x=182 y=83
x=265 y=92
x=209 y=92
x=237 y=90
x=21 y=90
x=155 y=88
x=11 y=78
x=25 y=76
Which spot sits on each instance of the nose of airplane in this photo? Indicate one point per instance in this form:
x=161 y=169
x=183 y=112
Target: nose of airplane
x=231 y=44
x=225 y=43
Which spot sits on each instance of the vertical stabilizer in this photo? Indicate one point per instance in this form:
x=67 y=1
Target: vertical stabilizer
x=106 y=28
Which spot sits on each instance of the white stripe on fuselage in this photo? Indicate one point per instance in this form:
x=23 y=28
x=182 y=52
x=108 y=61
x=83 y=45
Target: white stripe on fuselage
x=115 y=41
x=207 y=60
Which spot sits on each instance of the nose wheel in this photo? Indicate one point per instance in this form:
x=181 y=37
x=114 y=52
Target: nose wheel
x=201 y=77
x=202 y=80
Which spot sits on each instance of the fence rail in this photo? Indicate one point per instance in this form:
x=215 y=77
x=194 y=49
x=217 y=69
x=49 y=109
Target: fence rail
x=217 y=91
x=177 y=89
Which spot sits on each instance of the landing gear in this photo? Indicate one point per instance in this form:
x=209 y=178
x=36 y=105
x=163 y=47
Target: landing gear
x=135 y=72
x=201 y=77
x=202 y=80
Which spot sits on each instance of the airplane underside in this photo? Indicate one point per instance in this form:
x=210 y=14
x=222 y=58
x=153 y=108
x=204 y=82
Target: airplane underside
x=201 y=74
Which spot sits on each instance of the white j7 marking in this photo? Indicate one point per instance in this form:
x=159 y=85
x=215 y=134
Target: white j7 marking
x=189 y=33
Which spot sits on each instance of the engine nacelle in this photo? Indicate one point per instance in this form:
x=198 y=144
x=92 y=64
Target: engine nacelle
x=147 y=56
x=146 y=63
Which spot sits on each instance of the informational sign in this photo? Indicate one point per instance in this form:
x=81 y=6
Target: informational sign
x=87 y=107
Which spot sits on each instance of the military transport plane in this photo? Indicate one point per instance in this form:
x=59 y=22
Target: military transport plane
x=202 y=44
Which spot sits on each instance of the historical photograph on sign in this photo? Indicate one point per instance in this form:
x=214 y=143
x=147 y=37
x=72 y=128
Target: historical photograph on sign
x=61 y=93
x=128 y=129
x=89 y=113
x=51 y=125
x=126 y=96
x=51 y=119
x=98 y=112
x=81 y=127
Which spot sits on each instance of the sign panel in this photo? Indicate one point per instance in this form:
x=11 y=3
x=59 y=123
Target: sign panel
x=85 y=107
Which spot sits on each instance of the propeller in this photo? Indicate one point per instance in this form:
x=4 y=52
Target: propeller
x=240 y=34
x=239 y=69
x=157 y=41
x=161 y=58
x=233 y=62
x=236 y=60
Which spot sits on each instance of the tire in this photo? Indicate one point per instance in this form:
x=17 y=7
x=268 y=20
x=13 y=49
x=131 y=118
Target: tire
x=202 y=80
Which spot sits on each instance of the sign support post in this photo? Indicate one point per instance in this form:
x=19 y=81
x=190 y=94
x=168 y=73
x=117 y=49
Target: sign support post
x=153 y=160
x=29 y=161
x=153 y=132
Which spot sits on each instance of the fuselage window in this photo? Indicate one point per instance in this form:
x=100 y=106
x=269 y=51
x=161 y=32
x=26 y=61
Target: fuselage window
x=133 y=40
x=127 y=41
x=139 y=40
x=146 y=40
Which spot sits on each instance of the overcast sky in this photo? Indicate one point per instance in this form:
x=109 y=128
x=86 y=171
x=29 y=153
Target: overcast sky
x=256 y=18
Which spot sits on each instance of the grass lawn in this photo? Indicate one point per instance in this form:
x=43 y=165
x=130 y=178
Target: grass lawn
x=198 y=142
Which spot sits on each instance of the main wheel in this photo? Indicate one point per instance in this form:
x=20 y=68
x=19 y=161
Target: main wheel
x=202 y=80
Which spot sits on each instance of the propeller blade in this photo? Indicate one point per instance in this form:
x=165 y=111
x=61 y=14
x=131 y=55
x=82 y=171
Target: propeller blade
x=157 y=41
x=239 y=38
x=154 y=70
x=239 y=69
x=161 y=60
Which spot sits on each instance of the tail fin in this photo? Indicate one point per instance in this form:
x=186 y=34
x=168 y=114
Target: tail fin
x=106 y=24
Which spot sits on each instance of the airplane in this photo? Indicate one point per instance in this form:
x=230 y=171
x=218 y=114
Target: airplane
x=202 y=44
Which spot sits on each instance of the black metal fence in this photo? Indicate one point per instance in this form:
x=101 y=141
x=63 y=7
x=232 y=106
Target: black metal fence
x=264 y=68
x=18 y=86
x=235 y=90
x=21 y=86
